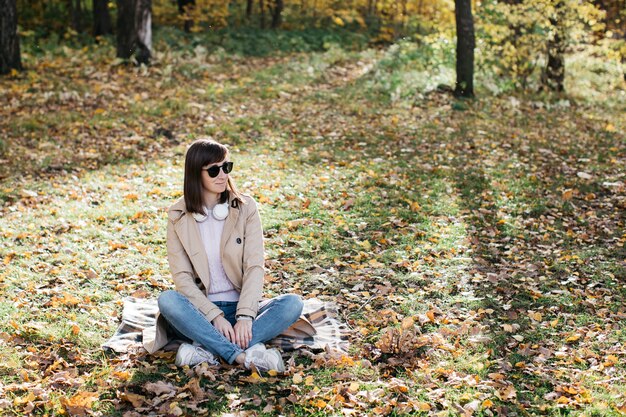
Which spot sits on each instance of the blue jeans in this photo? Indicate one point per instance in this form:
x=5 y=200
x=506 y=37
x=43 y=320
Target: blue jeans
x=274 y=316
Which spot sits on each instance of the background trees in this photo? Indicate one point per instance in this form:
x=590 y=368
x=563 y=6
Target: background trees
x=523 y=44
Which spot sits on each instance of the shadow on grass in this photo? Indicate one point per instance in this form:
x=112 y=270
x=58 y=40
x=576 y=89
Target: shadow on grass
x=548 y=289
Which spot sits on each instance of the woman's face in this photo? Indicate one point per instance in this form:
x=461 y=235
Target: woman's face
x=217 y=184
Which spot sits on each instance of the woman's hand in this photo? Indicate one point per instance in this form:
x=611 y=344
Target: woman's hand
x=224 y=327
x=243 y=333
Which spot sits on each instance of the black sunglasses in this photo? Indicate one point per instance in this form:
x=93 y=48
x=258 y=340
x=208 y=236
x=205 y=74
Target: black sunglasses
x=214 y=171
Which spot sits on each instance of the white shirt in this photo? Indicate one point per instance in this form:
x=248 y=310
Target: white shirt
x=221 y=288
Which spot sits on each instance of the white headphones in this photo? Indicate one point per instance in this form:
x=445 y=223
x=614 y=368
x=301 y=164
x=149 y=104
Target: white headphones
x=219 y=212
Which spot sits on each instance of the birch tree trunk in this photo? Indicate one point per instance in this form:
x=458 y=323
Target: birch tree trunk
x=134 y=30
x=143 y=23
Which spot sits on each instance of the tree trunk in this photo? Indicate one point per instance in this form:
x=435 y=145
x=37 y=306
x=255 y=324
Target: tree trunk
x=126 y=35
x=143 y=23
x=134 y=29
x=101 y=18
x=9 y=41
x=624 y=58
x=183 y=7
x=75 y=12
x=249 y=6
x=554 y=74
x=277 y=11
x=404 y=14
x=465 y=43
x=262 y=9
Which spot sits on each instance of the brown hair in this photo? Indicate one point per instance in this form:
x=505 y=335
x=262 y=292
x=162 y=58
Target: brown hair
x=201 y=153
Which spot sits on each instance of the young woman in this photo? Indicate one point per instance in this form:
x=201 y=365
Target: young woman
x=215 y=252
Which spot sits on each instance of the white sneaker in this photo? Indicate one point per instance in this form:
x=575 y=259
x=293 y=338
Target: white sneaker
x=258 y=346
x=192 y=355
x=264 y=359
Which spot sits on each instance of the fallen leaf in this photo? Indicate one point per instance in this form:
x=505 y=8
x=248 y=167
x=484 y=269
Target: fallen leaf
x=160 y=388
x=79 y=403
x=135 y=399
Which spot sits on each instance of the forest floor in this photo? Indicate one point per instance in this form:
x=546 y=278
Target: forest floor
x=475 y=248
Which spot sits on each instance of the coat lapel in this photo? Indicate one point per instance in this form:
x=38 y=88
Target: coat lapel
x=189 y=235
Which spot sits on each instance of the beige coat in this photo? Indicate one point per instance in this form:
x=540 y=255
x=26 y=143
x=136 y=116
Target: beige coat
x=242 y=252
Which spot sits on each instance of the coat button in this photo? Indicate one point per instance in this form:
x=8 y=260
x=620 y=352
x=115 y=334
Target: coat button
x=239 y=240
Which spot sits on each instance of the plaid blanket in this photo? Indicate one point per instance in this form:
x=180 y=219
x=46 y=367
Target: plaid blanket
x=317 y=328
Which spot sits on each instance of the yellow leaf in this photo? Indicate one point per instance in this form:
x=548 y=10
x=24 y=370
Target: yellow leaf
x=562 y=400
x=567 y=195
x=423 y=406
x=176 y=410
x=354 y=387
x=25 y=399
x=466 y=397
x=24 y=375
x=431 y=315
x=507 y=393
x=338 y=21
x=611 y=360
x=401 y=388
x=122 y=375
x=135 y=399
x=572 y=338
x=487 y=404
x=407 y=323
x=308 y=380
x=8 y=258
x=297 y=378
x=75 y=329
x=320 y=403
x=99 y=111
x=536 y=316
x=79 y=403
